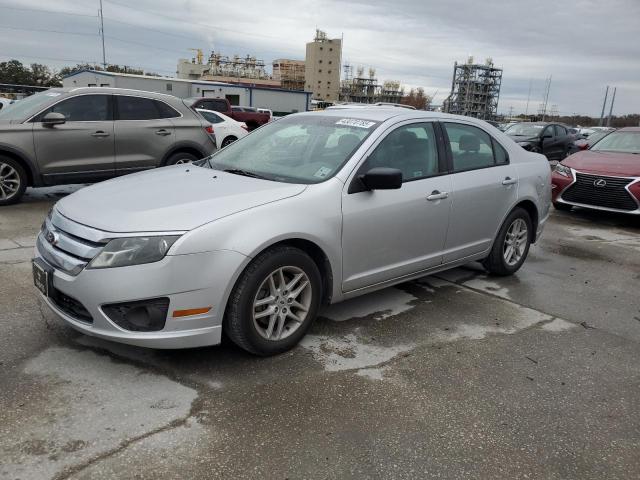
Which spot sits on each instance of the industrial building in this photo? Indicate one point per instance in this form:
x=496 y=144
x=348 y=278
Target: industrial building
x=290 y=73
x=366 y=89
x=322 y=67
x=247 y=70
x=475 y=90
x=281 y=102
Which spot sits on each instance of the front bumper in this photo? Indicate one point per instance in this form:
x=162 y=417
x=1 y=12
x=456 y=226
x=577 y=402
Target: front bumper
x=189 y=281
x=560 y=184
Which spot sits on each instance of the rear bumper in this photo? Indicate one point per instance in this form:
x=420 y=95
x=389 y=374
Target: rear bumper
x=189 y=281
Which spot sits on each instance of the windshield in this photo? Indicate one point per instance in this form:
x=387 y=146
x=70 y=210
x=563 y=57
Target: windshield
x=623 y=142
x=27 y=106
x=525 y=129
x=295 y=149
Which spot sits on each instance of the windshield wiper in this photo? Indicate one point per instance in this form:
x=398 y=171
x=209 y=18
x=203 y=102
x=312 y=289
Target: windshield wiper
x=246 y=173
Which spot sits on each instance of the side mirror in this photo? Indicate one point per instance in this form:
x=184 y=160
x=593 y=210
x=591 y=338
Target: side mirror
x=382 y=178
x=53 y=118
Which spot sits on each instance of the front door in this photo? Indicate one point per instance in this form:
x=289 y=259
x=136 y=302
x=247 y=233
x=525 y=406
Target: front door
x=392 y=233
x=82 y=148
x=144 y=132
x=484 y=186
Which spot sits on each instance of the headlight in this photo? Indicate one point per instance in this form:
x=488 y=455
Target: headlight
x=121 y=252
x=562 y=170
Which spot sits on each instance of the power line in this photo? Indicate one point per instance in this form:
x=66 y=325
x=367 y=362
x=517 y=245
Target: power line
x=7 y=27
x=23 y=9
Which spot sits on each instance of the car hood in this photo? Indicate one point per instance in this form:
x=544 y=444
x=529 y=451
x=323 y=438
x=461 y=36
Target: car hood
x=169 y=199
x=621 y=164
x=523 y=138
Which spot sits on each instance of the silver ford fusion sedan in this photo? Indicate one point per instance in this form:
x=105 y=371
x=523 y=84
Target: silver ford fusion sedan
x=312 y=209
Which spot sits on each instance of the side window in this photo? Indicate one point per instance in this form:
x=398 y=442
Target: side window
x=500 y=154
x=470 y=147
x=549 y=131
x=165 y=110
x=136 y=108
x=560 y=131
x=83 y=108
x=215 y=105
x=411 y=149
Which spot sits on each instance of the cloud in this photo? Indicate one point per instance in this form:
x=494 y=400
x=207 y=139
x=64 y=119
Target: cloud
x=585 y=44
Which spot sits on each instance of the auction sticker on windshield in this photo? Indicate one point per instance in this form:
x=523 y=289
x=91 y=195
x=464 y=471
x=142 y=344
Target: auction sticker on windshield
x=353 y=122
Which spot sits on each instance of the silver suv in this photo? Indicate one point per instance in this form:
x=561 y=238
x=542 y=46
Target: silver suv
x=315 y=208
x=85 y=135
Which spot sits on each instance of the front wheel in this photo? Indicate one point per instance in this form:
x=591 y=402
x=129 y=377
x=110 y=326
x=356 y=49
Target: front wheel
x=180 y=158
x=13 y=181
x=274 y=301
x=512 y=244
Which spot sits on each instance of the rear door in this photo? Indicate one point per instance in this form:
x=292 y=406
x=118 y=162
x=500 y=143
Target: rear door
x=564 y=140
x=484 y=187
x=388 y=234
x=81 y=149
x=144 y=132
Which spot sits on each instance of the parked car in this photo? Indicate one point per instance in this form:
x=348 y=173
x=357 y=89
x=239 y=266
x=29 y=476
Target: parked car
x=267 y=111
x=84 y=135
x=604 y=177
x=583 y=143
x=225 y=129
x=550 y=139
x=4 y=102
x=248 y=115
x=315 y=208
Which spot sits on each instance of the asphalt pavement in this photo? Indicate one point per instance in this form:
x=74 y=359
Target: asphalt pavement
x=457 y=375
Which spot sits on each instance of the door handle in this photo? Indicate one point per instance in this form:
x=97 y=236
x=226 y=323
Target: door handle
x=100 y=133
x=163 y=132
x=509 y=181
x=436 y=195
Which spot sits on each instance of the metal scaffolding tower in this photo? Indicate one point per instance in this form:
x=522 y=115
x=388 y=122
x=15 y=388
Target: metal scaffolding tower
x=475 y=90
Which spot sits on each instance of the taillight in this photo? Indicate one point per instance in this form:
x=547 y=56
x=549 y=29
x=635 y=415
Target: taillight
x=209 y=129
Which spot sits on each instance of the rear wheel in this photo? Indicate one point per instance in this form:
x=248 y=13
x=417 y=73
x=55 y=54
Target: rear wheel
x=512 y=244
x=180 y=158
x=13 y=181
x=228 y=141
x=274 y=301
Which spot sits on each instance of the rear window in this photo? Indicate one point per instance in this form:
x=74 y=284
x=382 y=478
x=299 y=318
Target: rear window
x=140 y=108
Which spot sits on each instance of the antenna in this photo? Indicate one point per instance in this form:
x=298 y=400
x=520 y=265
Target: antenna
x=104 y=58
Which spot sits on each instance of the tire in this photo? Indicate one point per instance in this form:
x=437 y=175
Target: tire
x=227 y=141
x=181 y=157
x=496 y=263
x=263 y=335
x=13 y=181
x=563 y=207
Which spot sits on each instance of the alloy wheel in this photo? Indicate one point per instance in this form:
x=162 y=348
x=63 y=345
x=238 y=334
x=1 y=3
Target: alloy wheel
x=282 y=303
x=515 y=242
x=9 y=181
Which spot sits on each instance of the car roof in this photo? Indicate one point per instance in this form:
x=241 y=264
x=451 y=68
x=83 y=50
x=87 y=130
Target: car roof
x=126 y=91
x=383 y=113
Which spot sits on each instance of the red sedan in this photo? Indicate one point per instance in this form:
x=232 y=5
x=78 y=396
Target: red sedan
x=605 y=177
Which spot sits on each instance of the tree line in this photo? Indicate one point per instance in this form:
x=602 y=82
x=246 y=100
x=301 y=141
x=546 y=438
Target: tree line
x=15 y=72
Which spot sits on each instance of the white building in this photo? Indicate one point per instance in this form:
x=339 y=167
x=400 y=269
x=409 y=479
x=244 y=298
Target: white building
x=279 y=101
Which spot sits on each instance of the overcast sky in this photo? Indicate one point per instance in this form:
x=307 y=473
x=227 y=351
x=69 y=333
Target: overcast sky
x=584 y=44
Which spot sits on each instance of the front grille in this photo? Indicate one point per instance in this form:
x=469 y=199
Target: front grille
x=611 y=195
x=67 y=251
x=71 y=306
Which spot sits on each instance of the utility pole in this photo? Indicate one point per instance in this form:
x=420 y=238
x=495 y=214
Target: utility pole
x=546 y=99
x=613 y=99
x=526 y=110
x=510 y=112
x=104 y=57
x=604 y=104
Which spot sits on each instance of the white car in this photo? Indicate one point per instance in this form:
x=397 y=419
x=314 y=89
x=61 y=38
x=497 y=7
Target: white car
x=226 y=129
x=4 y=102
